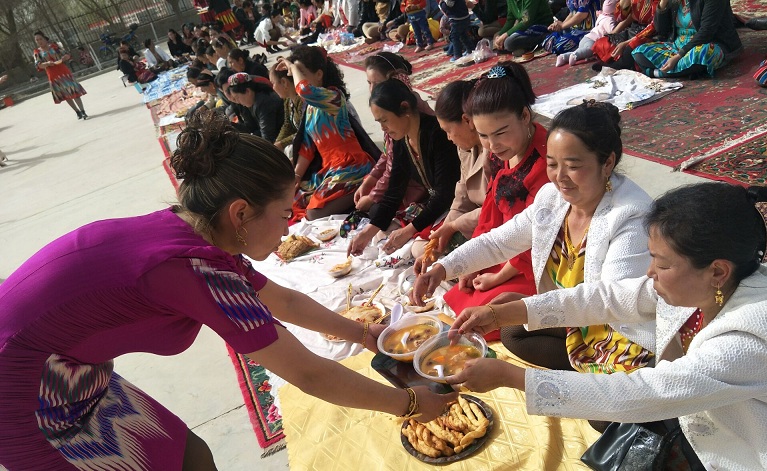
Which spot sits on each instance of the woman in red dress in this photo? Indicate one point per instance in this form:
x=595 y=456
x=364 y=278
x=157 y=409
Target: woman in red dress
x=64 y=87
x=499 y=107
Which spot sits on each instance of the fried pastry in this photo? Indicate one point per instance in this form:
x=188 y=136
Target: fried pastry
x=430 y=252
x=295 y=245
x=450 y=433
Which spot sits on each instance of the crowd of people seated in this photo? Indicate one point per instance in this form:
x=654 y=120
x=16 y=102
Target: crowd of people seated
x=658 y=314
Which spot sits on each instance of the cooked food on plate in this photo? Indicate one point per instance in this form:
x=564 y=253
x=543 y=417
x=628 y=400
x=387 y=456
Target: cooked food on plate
x=450 y=433
x=342 y=269
x=295 y=245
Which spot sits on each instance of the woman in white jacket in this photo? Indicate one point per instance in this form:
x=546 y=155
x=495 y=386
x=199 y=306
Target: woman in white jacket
x=586 y=203
x=708 y=293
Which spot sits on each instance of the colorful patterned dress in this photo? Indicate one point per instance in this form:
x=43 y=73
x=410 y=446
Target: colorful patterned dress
x=709 y=55
x=141 y=284
x=63 y=84
x=559 y=42
x=328 y=135
x=761 y=74
x=594 y=348
x=510 y=191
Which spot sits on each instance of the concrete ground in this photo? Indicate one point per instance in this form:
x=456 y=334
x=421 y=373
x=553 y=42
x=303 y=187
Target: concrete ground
x=64 y=173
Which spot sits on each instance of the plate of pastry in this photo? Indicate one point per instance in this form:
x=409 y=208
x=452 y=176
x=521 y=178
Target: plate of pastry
x=453 y=436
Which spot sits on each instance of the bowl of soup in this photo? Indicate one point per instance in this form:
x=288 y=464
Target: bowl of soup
x=440 y=358
x=401 y=339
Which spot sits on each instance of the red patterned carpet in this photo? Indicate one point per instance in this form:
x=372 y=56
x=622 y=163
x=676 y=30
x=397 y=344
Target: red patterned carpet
x=746 y=163
x=749 y=8
x=431 y=70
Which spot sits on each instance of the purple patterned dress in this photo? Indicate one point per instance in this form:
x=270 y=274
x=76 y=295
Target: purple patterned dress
x=141 y=284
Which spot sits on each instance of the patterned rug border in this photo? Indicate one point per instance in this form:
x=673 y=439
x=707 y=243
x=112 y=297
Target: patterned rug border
x=271 y=441
x=694 y=168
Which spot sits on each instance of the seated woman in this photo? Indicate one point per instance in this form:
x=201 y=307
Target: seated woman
x=635 y=26
x=270 y=30
x=516 y=166
x=136 y=71
x=565 y=35
x=157 y=60
x=240 y=115
x=256 y=94
x=583 y=227
x=378 y=68
x=240 y=61
x=707 y=292
x=222 y=48
x=148 y=284
x=293 y=107
x=703 y=39
x=177 y=47
x=198 y=71
x=187 y=36
x=328 y=155
x=421 y=150
x=525 y=27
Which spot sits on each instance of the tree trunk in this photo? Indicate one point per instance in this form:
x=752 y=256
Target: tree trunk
x=14 y=56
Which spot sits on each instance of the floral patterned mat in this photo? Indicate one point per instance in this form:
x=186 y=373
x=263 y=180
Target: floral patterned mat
x=256 y=390
x=745 y=164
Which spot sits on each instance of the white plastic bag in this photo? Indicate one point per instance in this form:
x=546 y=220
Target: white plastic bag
x=483 y=51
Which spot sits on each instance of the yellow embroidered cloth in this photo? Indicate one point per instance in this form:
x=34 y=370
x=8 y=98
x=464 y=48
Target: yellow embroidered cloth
x=322 y=436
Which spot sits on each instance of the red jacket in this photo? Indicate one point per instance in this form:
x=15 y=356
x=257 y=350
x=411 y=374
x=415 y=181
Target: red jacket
x=412 y=6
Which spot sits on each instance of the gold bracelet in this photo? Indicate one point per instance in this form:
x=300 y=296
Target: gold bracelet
x=495 y=317
x=365 y=327
x=412 y=407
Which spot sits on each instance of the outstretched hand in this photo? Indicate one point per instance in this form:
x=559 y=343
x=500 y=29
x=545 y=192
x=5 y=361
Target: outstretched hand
x=485 y=374
x=371 y=341
x=426 y=283
x=479 y=319
x=430 y=404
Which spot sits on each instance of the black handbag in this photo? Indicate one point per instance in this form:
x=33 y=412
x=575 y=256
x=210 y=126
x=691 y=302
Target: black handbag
x=655 y=446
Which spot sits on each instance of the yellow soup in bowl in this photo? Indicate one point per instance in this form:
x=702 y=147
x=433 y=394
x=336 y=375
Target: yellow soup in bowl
x=451 y=358
x=408 y=339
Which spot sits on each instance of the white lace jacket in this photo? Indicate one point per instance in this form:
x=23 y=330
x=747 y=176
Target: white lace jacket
x=718 y=389
x=616 y=246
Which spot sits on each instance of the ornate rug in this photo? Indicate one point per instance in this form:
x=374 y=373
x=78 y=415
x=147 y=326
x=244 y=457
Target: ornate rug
x=256 y=390
x=745 y=164
x=432 y=70
x=749 y=8
x=706 y=116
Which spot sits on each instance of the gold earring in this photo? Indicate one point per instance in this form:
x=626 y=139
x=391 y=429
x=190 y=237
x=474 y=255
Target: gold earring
x=719 y=296
x=240 y=238
x=608 y=185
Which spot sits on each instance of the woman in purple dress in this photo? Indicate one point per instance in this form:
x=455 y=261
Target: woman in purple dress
x=148 y=284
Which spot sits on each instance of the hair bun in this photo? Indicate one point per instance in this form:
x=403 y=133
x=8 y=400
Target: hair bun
x=207 y=139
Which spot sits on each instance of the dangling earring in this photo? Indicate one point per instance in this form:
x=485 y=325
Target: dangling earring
x=719 y=296
x=608 y=185
x=240 y=238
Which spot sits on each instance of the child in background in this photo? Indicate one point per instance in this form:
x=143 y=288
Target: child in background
x=415 y=10
x=606 y=22
x=458 y=15
x=307 y=16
